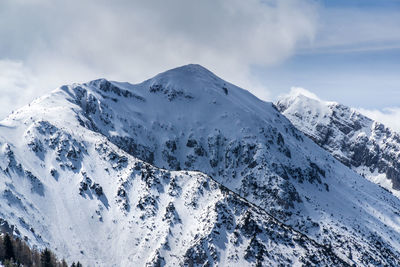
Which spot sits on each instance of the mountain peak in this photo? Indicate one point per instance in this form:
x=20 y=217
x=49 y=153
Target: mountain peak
x=185 y=168
x=190 y=69
x=367 y=146
x=192 y=77
x=298 y=94
x=188 y=82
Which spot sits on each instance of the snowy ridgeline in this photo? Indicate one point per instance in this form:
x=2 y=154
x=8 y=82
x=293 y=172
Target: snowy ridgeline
x=184 y=169
x=367 y=146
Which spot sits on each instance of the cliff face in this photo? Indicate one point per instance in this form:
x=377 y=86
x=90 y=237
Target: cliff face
x=366 y=146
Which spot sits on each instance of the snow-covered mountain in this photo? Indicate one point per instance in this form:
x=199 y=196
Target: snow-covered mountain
x=184 y=169
x=368 y=147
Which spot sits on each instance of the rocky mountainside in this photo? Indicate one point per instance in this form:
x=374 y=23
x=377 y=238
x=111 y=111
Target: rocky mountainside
x=184 y=169
x=368 y=147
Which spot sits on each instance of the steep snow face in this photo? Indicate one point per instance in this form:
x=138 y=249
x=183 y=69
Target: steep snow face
x=65 y=187
x=82 y=152
x=367 y=146
x=188 y=118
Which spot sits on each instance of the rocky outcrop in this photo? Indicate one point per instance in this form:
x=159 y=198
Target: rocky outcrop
x=367 y=146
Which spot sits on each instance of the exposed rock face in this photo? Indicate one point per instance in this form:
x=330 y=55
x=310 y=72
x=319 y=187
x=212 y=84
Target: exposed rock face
x=184 y=169
x=158 y=217
x=366 y=146
x=225 y=141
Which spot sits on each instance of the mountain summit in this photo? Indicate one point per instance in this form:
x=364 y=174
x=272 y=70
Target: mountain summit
x=184 y=169
x=368 y=147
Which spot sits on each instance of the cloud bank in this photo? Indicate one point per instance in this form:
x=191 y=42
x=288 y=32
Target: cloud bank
x=46 y=43
x=389 y=116
x=347 y=29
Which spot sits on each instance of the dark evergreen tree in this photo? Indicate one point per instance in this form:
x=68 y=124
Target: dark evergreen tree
x=8 y=248
x=10 y=263
x=45 y=259
x=73 y=264
x=78 y=264
x=15 y=252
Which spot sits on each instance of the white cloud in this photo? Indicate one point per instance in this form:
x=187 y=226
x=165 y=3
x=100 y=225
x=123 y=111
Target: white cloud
x=346 y=29
x=16 y=85
x=296 y=91
x=388 y=116
x=61 y=42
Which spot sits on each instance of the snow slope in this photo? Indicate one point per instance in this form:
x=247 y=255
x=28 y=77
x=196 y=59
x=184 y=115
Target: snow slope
x=65 y=187
x=112 y=173
x=367 y=146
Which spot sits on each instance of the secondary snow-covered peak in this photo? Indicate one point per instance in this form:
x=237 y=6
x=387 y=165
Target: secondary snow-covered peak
x=359 y=142
x=303 y=104
x=299 y=93
x=300 y=98
x=312 y=111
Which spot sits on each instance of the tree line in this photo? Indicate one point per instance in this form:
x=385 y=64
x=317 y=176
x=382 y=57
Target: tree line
x=14 y=252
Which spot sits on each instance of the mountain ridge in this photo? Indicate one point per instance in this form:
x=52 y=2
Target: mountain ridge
x=365 y=145
x=108 y=148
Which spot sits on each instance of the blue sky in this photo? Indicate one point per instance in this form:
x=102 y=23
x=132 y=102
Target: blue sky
x=342 y=50
x=373 y=4
x=362 y=72
x=368 y=79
